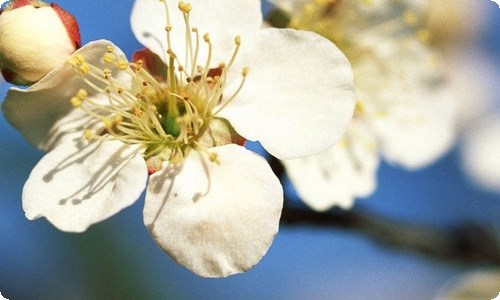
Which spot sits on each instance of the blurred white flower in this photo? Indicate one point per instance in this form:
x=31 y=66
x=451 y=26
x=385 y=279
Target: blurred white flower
x=479 y=284
x=474 y=78
x=480 y=152
x=178 y=114
x=404 y=103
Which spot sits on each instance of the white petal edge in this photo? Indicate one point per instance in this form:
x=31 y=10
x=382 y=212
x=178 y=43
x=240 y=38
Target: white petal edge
x=222 y=19
x=480 y=153
x=298 y=96
x=75 y=186
x=339 y=175
x=216 y=219
x=43 y=112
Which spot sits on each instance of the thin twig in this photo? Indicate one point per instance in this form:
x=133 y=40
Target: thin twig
x=466 y=243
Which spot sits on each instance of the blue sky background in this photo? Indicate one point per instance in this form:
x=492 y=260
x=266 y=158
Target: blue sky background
x=117 y=259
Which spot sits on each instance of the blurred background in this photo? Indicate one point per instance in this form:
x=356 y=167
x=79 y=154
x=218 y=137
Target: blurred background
x=117 y=259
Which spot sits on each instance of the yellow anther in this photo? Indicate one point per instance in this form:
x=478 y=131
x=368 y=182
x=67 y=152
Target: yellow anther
x=117 y=119
x=194 y=29
x=88 y=134
x=137 y=111
x=71 y=61
x=82 y=94
x=109 y=57
x=206 y=37
x=79 y=59
x=122 y=64
x=245 y=71
x=424 y=35
x=213 y=157
x=107 y=123
x=107 y=73
x=76 y=102
x=184 y=7
x=84 y=68
x=359 y=108
x=237 y=40
x=410 y=18
x=168 y=28
x=110 y=49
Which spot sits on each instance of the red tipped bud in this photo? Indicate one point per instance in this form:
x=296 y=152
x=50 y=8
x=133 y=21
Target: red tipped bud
x=35 y=37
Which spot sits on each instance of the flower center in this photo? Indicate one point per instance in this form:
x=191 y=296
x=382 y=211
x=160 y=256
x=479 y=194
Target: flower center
x=167 y=113
x=345 y=21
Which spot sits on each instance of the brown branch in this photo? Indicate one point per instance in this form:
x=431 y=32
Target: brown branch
x=466 y=243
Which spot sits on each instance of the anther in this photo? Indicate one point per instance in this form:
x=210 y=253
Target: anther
x=85 y=69
x=122 y=64
x=88 y=134
x=82 y=94
x=109 y=57
x=76 y=102
x=245 y=71
x=237 y=40
x=184 y=7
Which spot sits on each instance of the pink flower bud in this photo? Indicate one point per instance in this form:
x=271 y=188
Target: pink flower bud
x=35 y=37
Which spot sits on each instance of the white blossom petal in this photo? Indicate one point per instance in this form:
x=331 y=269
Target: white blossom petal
x=416 y=134
x=298 y=96
x=77 y=185
x=338 y=175
x=43 y=112
x=408 y=104
x=222 y=19
x=216 y=219
x=481 y=153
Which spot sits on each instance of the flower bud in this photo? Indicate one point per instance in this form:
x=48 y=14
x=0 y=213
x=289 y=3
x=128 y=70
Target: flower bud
x=35 y=37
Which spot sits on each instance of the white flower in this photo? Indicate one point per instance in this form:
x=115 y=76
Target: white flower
x=405 y=109
x=210 y=203
x=35 y=37
x=480 y=149
x=474 y=78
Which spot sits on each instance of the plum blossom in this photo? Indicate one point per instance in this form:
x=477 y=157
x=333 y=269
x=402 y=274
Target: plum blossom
x=405 y=110
x=180 y=111
x=474 y=77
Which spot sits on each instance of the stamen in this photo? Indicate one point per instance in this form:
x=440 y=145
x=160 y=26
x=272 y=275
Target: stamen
x=165 y=118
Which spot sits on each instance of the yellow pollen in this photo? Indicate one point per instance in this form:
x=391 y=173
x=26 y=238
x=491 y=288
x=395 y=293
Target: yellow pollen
x=206 y=37
x=245 y=71
x=82 y=94
x=424 y=35
x=184 y=7
x=79 y=59
x=214 y=157
x=237 y=40
x=410 y=18
x=76 y=102
x=85 y=69
x=88 y=134
x=109 y=57
x=122 y=64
